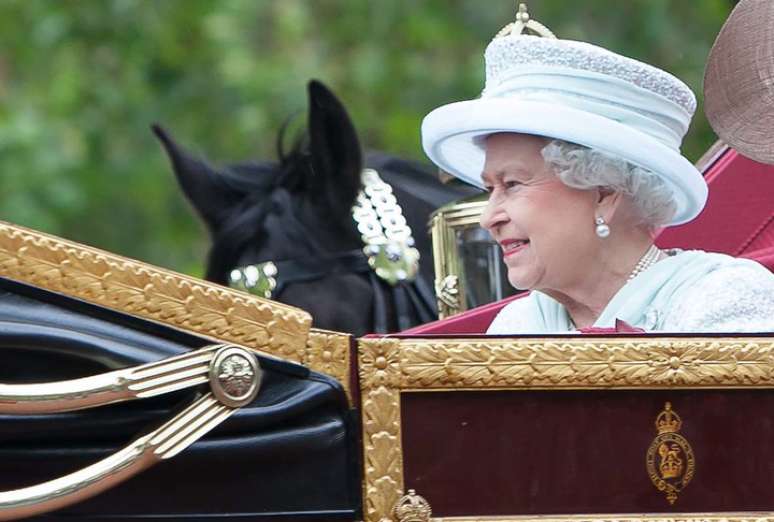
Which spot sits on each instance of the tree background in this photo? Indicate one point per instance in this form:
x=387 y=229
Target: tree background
x=80 y=83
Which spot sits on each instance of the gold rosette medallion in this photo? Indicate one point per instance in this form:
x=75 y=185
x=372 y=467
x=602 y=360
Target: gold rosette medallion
x=669 y=460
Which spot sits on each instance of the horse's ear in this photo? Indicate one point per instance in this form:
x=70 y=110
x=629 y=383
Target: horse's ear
x=201 y=183
x=335 y=151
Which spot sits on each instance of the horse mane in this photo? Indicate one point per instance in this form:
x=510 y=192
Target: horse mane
x=244 y=223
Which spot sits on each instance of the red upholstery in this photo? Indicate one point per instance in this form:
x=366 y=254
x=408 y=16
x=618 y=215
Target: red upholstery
x=764 y=256
x=739 y=216
x=738 y=220
x=470 y=322
x=547 y=452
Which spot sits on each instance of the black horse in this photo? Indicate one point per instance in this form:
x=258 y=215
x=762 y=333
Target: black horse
x=297 y=213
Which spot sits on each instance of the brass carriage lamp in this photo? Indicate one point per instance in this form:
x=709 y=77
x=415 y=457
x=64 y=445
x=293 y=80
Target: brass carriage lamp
x=469 y=270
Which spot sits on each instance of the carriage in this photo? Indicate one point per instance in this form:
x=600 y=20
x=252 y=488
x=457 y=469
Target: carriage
x=130 y=392
x=244 y=410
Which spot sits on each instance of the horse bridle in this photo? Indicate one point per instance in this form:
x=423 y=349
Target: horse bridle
x=388 y=255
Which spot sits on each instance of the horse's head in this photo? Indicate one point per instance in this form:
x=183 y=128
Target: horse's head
x=297 y=213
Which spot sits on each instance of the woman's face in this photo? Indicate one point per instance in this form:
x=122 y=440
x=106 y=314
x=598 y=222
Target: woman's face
x=544 y=227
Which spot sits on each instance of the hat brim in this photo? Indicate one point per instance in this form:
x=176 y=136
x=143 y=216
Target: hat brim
x=738 y=82
x=452 y=137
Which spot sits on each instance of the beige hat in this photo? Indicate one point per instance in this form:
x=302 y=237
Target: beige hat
x=739 y=80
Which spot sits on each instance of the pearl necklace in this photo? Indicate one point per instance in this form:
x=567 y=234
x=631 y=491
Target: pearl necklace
x=645 y=262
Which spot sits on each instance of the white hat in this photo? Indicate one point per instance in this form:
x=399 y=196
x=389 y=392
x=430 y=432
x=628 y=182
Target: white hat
x=576 y=92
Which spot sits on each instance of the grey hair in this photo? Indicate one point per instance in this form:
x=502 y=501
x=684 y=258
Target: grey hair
x=584 y=168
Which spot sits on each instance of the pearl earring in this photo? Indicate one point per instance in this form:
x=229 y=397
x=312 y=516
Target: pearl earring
x=602 y=229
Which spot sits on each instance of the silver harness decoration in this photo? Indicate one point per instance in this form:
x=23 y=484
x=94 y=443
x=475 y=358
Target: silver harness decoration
x=389 y=243
x=259 y=279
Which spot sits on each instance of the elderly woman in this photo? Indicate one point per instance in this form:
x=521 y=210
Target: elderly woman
x=578 y=148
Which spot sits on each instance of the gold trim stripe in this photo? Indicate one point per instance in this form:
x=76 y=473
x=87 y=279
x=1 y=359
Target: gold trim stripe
x=650 y=517
x=382 y=444
x=645 y=362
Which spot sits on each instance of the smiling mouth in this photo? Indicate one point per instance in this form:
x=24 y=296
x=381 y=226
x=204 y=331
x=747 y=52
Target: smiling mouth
x=513 y=247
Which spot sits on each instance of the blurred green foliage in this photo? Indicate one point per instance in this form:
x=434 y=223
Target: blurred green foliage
x=80 y=82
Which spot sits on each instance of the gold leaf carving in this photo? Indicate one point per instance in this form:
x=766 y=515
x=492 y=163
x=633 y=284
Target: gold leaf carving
x=382 y=412
x=383 y=446
x=382 y=453
x=586 y=363
x=329 y=352
x=379 y=379
x=383 y=491
x=379 y=362
x=129 y=286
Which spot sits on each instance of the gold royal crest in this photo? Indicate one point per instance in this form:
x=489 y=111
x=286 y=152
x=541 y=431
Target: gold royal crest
x=412 y=508
x=669 y=460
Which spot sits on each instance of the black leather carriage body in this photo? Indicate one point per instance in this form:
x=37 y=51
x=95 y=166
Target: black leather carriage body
x=290 y=454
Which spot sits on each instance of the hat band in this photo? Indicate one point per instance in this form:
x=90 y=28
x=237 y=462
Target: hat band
x=598 y=94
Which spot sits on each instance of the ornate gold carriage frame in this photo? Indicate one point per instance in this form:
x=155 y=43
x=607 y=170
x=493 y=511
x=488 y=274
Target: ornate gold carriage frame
x=160 y=295
x=390 y=367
